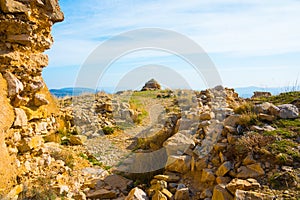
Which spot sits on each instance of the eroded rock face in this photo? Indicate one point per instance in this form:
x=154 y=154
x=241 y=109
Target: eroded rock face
x=6 y=120
x=25 y=28
x=25 y=34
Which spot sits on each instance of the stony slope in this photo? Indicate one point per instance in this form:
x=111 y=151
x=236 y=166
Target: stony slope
x=210 y=144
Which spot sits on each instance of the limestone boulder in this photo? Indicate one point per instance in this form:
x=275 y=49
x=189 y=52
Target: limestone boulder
x=15 y=86
x=53 y=11
x=232 y=120
x=182 y=194
x=78 y=139
x=13 y=6
x=242 y=195
x=207 y=116
x=158 y=195
x=167 y=193
x=207 y=176
x=220 y=193
x=288 y=111
x=248 y=160
x=235 y=184
x=40 y=100
x=157 y=185
x=250 y=171
x=178 y=143
x=266 y=117
x=137 y=194
x=267 y=108
x=21 y=118
x=102 y=194
x=118 y=182
x=168 y=177
x=224 y=168
x=179 y=164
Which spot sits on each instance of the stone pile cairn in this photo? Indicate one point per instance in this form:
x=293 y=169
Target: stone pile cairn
x=151 y=85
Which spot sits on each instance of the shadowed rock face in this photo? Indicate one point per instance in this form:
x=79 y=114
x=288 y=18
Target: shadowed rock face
x=25 y=28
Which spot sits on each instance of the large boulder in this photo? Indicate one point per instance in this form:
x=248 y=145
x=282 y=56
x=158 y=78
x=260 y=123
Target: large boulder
x=288 y=111
x=232 y=120
x=181 y=164
x=249 y=171
x=78 y=139
x=158 y=195
x=102 y=194
x=224 y=168
x=178 y=143
x=207 y=176
x=182 y=194
x=249 y=184
x=137 y=194
x=220 y=193
x=118 y=182
x=267 y=108
x=242 y=195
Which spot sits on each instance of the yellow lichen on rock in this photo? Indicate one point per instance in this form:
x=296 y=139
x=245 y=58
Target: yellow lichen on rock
x=26 y=103
x=7 y=170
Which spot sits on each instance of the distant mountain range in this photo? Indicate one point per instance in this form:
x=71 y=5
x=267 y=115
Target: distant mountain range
x=245 y=92
x=70 y=91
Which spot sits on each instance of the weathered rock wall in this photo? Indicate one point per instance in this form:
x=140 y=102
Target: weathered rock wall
x=25 y=27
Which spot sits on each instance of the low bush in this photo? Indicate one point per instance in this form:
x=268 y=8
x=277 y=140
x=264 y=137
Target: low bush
x=108 y=130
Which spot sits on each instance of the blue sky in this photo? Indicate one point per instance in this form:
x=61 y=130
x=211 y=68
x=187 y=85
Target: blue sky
x=253 y=42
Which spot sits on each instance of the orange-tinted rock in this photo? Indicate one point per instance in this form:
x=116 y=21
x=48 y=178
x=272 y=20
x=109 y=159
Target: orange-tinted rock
x=8 y=174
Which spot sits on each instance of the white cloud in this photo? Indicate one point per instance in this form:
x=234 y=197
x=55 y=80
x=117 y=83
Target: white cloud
x=231 y=28
x=253 y=28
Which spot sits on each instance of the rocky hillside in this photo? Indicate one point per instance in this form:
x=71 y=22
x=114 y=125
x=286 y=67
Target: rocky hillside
x=189 y=145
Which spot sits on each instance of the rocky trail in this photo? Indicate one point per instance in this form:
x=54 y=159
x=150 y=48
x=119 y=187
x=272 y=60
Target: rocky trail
x=112 y=149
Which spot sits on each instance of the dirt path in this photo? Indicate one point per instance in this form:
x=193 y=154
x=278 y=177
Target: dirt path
x=112 y=149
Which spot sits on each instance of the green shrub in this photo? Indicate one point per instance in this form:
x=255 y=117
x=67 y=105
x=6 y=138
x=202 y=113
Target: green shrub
x=281 y=132
x=141 y=116
x=247 y=119
x=246 y=107
x=282 y=98
x=285 y=146
x=252 y=142
x=108 y=130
